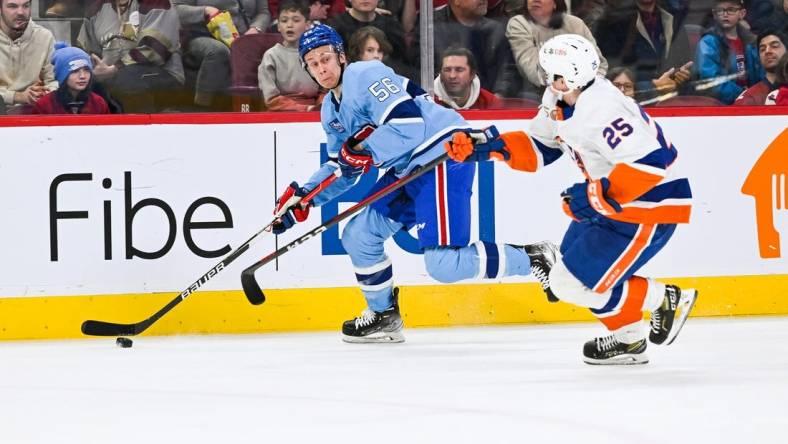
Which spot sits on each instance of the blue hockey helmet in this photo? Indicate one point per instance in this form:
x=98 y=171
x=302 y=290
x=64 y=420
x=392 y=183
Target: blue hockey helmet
x=317 y=36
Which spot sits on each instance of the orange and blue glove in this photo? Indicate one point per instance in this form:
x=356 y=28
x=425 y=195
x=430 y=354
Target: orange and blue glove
x=477 y=146
x=584 y=201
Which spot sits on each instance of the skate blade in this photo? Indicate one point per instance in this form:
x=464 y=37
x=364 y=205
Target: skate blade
x=626 y=359
x=380 y=337
x=686 y=303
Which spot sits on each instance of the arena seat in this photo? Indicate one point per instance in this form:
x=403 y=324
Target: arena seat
x=246 y=53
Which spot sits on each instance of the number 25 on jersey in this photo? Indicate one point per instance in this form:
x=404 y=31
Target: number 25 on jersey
x=616 y=131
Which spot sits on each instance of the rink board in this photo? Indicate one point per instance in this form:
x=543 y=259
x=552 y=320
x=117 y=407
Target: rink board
x=113 y=221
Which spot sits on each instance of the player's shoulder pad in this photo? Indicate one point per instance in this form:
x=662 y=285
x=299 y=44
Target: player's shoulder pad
x=365 y=72
x=600 y=101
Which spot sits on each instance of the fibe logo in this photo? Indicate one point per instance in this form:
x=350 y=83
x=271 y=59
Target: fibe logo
x=130 y=210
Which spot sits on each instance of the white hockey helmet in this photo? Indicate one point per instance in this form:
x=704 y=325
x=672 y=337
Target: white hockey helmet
x=570 y=56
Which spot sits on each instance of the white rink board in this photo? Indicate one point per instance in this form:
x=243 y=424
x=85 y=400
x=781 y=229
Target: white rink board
x=179 y=164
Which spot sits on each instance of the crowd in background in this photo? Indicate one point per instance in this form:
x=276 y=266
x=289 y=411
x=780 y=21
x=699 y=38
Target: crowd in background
x=146 y=56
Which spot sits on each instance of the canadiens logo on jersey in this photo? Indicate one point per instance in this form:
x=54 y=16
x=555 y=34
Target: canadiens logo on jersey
x=336 y=125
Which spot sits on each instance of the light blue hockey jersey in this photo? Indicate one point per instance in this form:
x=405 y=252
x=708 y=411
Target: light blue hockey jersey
x=410 y=127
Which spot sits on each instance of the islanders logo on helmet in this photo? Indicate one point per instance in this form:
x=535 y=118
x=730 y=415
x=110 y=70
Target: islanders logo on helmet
x=570 y=56
x=317 y=36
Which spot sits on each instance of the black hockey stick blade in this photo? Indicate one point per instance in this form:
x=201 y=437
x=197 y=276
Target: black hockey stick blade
x=252 y=290
x=101 y=328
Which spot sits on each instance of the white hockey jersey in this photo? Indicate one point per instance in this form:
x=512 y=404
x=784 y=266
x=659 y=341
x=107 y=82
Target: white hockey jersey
x=609 y=135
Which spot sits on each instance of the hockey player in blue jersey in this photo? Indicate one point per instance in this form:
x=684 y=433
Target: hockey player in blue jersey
x=373 y=116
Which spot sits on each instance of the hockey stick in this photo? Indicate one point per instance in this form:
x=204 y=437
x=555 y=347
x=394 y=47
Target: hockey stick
x=252 y=289
x=101 y=328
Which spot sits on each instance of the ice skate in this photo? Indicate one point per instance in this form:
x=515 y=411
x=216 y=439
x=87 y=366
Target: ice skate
x=543 y=256
x=665 y=326
x=608 y=350
x=372 y=326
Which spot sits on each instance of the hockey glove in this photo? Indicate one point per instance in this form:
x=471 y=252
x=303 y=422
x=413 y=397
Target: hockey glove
x=583 y=201
x=289 y=208
x=354 y=161
x=477 y=146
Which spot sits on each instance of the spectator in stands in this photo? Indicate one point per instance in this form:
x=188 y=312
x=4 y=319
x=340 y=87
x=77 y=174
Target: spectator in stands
x=760 y=13
x=650 y=41
x=458 y=86
x=368 y=43
x=74 y=72
x=405 y=11
x=318 y=11
x=362 y=13
x=285 y=84
x=780 y=95
x=207 y=55
x=26 y=74
x=462 y=23
x=540 y=21
x=590 y=12
x=134 y=49
x=771 y=47
x=728 y=49
x=624 y=79
x=778 y=20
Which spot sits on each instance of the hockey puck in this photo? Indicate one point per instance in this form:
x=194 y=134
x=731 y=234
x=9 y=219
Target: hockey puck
x=124 y=342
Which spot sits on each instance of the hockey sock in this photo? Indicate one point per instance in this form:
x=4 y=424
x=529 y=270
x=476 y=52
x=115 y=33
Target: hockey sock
x=626 y=304
x=376 y=282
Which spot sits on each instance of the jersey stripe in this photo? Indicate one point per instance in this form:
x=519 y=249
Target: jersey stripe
x=628 y=257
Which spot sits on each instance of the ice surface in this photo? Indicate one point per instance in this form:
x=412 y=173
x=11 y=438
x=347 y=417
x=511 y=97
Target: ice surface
x=722 y=381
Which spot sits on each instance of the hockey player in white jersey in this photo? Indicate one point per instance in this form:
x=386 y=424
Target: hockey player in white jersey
x=623 y=213
x=373 y=116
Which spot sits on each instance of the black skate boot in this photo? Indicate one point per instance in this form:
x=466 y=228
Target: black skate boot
x=543 y=257
x=372 y=326
x=665 y=326
x=608 y=350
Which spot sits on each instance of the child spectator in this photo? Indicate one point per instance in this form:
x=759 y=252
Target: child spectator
x=728 y=49
x=74 y=73
x=363 y=13
x=368 y=43
x=771 y=47
x=285 y=84
x=371 y=43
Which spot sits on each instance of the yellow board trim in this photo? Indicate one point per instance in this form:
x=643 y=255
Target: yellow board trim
x=208 y=312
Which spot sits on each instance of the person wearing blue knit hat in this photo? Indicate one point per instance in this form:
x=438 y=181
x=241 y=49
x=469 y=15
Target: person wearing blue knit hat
x=74 y=73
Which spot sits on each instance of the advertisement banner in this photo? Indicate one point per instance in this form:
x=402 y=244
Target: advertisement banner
x=148 y=208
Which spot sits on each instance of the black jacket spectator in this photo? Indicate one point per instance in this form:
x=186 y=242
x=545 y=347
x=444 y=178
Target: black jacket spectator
x=649 y=49
x=486 y=39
